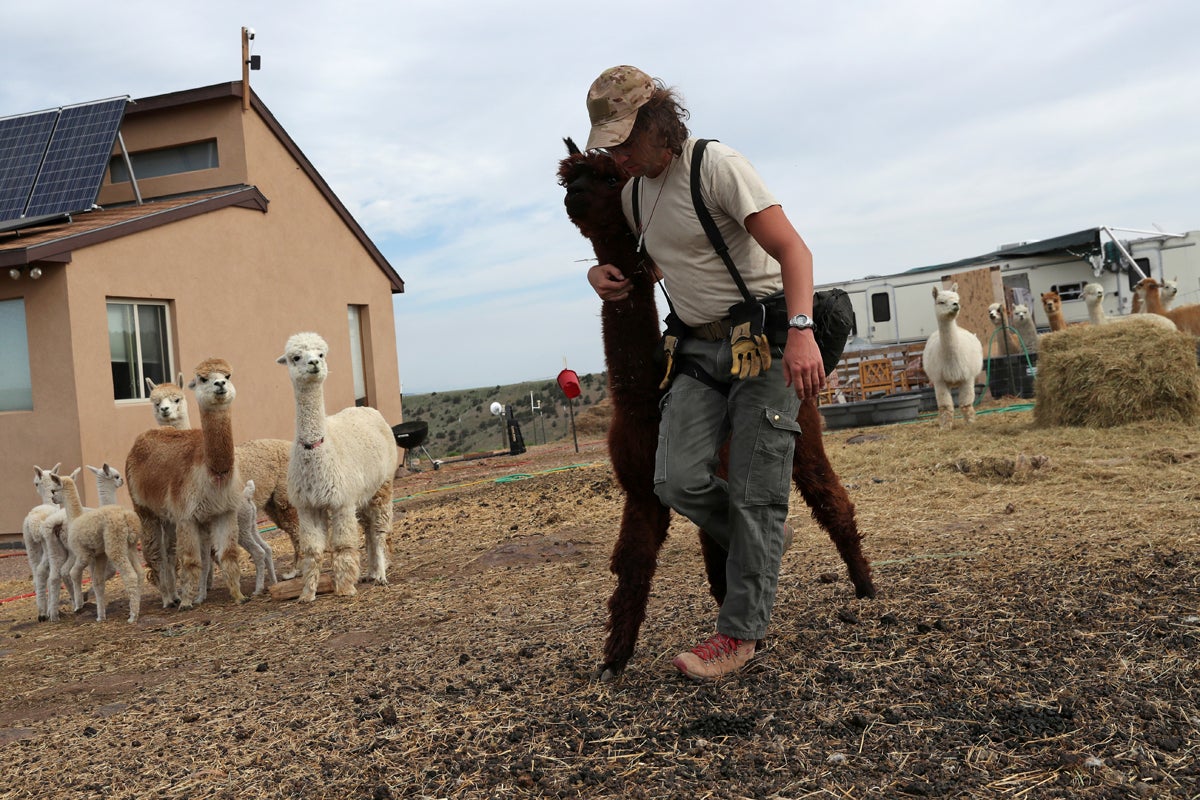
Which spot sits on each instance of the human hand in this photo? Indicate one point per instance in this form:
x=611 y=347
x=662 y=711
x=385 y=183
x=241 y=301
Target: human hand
x=803 y=368
x=608 y=281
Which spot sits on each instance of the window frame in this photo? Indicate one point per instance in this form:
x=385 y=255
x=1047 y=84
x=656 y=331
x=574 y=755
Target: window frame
x=28 y=355
x=168 y=347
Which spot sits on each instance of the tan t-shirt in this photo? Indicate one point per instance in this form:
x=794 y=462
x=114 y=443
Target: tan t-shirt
x=697 y=280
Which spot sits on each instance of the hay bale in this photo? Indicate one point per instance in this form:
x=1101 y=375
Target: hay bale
x=1101 y=376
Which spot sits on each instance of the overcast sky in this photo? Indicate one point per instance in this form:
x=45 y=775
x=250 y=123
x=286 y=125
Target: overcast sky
x=896 y=133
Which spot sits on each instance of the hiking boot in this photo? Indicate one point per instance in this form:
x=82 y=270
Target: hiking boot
x=720 y=655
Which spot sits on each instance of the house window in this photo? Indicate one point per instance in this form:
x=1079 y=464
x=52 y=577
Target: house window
x=139 y=346
x=167 y=161
x=16 y=387
x=357 y=355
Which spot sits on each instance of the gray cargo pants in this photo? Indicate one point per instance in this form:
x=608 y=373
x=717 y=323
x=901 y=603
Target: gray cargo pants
x=746 y=513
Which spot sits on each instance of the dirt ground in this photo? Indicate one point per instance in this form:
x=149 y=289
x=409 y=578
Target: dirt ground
x=1036 y=635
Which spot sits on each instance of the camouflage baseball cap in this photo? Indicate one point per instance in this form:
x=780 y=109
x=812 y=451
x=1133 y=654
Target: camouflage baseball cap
x=612 y=103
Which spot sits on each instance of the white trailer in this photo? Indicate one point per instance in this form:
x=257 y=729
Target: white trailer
x=898 y=309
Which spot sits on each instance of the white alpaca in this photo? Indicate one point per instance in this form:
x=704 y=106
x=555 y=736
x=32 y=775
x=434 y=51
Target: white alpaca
x=190 y=479
x=264 y=461
x=1025 y=326
x=97 y=536
x=341 y=468
x=251 y=541
x=953 y=359
x=55 y=559
x=36 y=547
x=1167 y=292
x=1002 y=342
x=1093 y=297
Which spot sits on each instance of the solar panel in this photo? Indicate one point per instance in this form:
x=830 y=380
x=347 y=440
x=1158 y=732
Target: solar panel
x=53 y=162
x=76 y=158
x=23 y=143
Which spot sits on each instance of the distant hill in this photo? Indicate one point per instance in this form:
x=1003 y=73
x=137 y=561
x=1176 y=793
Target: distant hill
x=461 y=421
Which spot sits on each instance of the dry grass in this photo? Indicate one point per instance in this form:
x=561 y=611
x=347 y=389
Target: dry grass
x=1036 y=636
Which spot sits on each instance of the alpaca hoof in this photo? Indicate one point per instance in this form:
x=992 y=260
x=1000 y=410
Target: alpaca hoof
x=349 y=591
x=42 y=618
x=307 y=597
x=607 y=673
x=182 y=606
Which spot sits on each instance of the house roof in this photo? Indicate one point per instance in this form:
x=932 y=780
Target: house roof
x=55 y=242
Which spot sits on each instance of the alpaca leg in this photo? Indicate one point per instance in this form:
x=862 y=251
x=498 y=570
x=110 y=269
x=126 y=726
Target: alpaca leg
x=55 y=579
x=376 y=527
x=99 y=571
x=164 y=535
x=77 y=582
x=287 y=520
x=343 y=548
x=945 y=405
x=312 y=549
x=206 y=572
x=268 y=558
x=831 y=507
x=152 y=537
x=223 y=532
x=188 y=542
x=966 y=401
x=644 y=524
x=39 y=565
x=131 y=576
x=250 y=543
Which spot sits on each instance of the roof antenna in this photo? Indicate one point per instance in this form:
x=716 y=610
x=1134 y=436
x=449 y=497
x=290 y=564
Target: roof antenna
x=249 y=62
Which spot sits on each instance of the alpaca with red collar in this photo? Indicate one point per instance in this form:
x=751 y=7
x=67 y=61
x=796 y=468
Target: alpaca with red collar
x=953 y=359
x=341 y=470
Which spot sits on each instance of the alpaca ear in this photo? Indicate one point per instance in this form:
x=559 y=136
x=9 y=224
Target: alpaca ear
x=282 y=359
x=180 y=379
x=192 y=384
x=75 y=475
x=954 y=286
x=94 y=471
x=935 y=292
x=150 y=384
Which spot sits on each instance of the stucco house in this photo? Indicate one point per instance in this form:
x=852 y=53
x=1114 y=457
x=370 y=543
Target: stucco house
x=226 y=242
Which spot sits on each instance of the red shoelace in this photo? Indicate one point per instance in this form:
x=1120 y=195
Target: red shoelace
x=716 y=647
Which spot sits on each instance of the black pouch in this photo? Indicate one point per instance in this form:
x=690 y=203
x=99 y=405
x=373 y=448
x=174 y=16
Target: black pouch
x=833 y=322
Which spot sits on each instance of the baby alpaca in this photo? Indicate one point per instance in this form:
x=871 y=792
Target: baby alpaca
x=953 y=358
x=1026 y=327
x=36 y=546
x=251 y=541
x=97 y=536
x=341 y=469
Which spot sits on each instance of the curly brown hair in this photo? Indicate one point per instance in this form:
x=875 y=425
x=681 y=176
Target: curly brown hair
x=663 y=117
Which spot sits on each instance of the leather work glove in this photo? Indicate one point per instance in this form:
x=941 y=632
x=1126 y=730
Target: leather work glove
x=751 y=351
x=669 y=345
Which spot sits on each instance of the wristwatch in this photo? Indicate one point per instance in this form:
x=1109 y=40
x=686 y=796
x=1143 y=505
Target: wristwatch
x=801 y=322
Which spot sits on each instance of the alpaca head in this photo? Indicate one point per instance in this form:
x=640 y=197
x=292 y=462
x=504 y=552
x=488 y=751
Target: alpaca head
x=304 y=356
x=593 y=182
x=1021 y=313
x=1093 y=294
x=59 y=484
x=213 y=384
x=1051 y=302
x=1169 y=289
x=168 y=401
x=41 y=480
x=107 y=473
x=945 y=302
x=996 y=314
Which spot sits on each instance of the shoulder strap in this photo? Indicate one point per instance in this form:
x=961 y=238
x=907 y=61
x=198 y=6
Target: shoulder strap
x=637 y=206
x=706 y=220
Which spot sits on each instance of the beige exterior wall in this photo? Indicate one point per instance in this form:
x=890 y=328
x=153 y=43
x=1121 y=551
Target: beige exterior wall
x=238 y=283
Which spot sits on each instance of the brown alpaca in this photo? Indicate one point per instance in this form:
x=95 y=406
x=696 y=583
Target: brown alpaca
x=264 y=461
x=189 y=478
x=1186 y=318
x=630 y=330
x=1052 y=304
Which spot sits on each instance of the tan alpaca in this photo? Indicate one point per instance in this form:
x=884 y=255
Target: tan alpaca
x=1186 y=318
x=190 y=479
x=95 y=537
x=1052 y=305
x=1093 y=296
x=264 y=461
